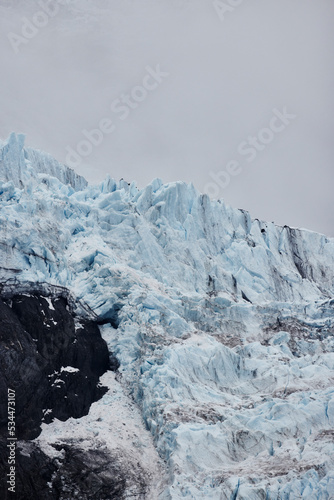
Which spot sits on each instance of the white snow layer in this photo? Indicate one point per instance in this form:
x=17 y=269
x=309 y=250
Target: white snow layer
x=225 y=333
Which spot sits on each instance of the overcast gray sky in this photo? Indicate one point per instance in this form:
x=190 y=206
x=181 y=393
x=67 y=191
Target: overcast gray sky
x=229 y=67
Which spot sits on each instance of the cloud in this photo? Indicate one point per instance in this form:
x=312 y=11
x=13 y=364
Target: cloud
x=225 y=78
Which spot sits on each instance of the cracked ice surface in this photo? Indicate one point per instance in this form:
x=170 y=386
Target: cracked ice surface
x=225 y=324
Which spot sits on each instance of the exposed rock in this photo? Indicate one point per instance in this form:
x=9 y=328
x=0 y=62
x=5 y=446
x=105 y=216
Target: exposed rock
x=50 y=359
x=75 y=473
x=53 y=361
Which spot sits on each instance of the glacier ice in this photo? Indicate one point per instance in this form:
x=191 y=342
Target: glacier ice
x=20 y=164
x=223 y=325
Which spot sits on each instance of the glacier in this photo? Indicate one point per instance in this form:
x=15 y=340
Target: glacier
x=222 y=325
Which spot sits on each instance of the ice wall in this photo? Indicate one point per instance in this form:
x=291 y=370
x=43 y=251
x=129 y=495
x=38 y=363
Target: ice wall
x=223 y=325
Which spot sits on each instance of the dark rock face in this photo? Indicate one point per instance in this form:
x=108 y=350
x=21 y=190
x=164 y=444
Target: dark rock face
x=39 y=337
x=53 y=361
x=33 y=472
x=85 y=475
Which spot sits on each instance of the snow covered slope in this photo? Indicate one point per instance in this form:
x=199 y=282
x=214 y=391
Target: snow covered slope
x=223 y=325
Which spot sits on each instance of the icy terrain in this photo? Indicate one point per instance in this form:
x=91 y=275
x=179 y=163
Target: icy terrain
x=223 y=325
x=16 y=165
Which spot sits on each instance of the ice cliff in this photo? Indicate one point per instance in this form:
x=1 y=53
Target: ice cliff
x=19 y=165
x=222 y=325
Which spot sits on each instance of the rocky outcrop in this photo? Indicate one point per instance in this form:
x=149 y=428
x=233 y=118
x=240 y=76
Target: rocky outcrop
x=52 y=359
x=75 y=474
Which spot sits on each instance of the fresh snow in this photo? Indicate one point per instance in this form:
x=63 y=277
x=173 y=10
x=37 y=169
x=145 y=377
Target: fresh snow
x=114 y=425
x=69 y=369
